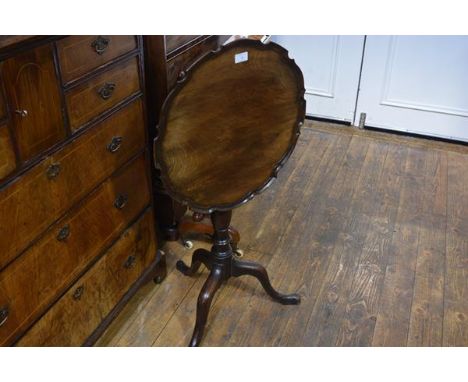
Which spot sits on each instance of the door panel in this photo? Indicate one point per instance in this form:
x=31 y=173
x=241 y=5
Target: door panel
x=331 y=66
x=416 y=84
x=33 y=93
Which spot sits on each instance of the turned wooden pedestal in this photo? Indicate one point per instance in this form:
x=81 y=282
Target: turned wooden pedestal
x=222 y=265
x=200 y=223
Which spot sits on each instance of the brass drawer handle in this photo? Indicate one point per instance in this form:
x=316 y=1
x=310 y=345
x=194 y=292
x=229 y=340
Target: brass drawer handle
x=64 y=233
x=121 y=201
x=106 y=91
x=114 y=144
x=4 y=311
x=130 y=262
x=78 y=293
x=100 y=44
x=53 y=170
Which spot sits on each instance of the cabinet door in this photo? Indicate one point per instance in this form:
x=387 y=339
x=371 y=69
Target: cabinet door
x=33 y=94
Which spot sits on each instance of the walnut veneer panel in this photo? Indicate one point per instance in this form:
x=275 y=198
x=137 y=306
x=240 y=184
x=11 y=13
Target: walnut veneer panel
x=7 y=153
x=99 y=94
x=91 y=298
x=81 y=54
x=30 y=204
x=35 y=279
x=30 y=84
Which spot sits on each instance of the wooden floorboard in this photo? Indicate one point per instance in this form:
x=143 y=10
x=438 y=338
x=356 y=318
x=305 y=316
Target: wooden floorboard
x=455 y=327
x=427 y=309
x=372 y=230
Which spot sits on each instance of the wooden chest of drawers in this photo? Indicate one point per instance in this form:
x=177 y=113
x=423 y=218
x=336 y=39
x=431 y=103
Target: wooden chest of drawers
x=77 y=228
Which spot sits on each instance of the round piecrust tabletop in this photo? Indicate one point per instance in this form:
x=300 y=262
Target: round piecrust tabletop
x=229 y=124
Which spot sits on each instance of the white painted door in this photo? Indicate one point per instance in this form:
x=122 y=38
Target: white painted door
x=417 y=84
x=331 y=67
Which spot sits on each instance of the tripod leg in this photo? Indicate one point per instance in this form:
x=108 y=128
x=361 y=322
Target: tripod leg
x=199 y=257
x=240 y=268
x=205 y=297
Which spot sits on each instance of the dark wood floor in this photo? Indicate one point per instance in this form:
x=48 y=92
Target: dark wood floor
x=370 y=228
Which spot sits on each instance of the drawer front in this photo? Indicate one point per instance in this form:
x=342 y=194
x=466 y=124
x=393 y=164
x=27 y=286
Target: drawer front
x=7 y=153
x=30 y=204
x=176 y=41
x=34 y=280
x=75 y=316
x=184 y=60
x=32 y=91
x=87 y=101
x=79 y=55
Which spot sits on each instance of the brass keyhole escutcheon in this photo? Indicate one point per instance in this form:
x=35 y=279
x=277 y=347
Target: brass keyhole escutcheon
x=130 y=262
x=21 y=113
x=64 y=233
x=78 y=293
x=53 y=170
x=121 y=201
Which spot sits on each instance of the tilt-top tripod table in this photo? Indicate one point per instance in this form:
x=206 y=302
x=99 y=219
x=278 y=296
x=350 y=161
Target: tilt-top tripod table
x=225 y=130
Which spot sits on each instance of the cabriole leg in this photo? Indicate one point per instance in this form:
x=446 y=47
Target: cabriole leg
x=207 y=293
x=240 y=268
